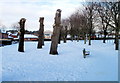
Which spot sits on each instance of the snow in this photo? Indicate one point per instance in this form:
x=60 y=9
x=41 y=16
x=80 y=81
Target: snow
x=9 y=33
x=37 y=65
x=30 y=36
x=16 y=38
x=68 y=36
x=15 y=34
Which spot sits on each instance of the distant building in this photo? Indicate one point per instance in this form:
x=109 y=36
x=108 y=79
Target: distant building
x=47 y=34
x=15 y=35
x=5 y=39
x=30 y=37
x=3 y=35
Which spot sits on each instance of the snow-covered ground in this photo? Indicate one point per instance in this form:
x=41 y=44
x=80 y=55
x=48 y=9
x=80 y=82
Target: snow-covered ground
x=0 y=64
x=37 y=65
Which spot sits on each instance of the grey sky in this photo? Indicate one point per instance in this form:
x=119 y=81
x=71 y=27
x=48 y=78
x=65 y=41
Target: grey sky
x=12 y=11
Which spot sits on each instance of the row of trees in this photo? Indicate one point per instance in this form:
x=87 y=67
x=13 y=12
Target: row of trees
x=22 y=32
x=55 y=36
x=104 y=16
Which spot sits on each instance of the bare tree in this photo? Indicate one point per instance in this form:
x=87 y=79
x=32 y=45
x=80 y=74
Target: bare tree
x=84 y=26
x=16 y=26
x=110 y=18
x=75 y=25
x=65 y=28
x=56 y=32
x=90 y=16
x=22 y=31
x=114 y=10
x=105 y=15
x=65 y=35
x=41 y=33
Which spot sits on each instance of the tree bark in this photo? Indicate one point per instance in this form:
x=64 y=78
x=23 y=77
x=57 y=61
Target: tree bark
x=117 y=23
x=90 y=29
x=59 y=37
x=117 y=46
x=41 y=33
x=89 y=40
x=84 y=38
x=117 y=40
x=56 y=32
x=105 y=33
x=22 y=31
x=72 y=38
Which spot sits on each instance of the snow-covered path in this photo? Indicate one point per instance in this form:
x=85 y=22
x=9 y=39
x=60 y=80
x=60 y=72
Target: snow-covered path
x=37 y=65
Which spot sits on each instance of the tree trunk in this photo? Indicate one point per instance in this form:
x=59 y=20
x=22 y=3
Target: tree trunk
x=117 y=40
x=65 y=36
x=105 y=33
x=117 y=29
x=98 y=36
x=55 y=38
x=21 y=38
x=84 y=38
x=90 y=30
x=89 y=40
x=41 y=33
x=77 y=38
x=43 y=39
x=56 y=32
x=72 y=38
x=104 y=39
x=59 y=37
x=118 y=25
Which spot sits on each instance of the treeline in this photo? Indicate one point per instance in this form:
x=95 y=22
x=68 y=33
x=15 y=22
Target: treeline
x=102 y=16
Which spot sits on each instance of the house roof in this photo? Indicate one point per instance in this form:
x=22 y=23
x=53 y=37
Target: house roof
x=15 y=34
x=10 y=37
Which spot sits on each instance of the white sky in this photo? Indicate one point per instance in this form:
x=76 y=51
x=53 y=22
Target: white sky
x=12 y=11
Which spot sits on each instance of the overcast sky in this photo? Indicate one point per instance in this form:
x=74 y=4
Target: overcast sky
x=12 y=11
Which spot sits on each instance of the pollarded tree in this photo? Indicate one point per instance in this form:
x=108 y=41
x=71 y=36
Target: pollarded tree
x=60 y=35
x=56 y=32
x=21 y=38
x=41 y=33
